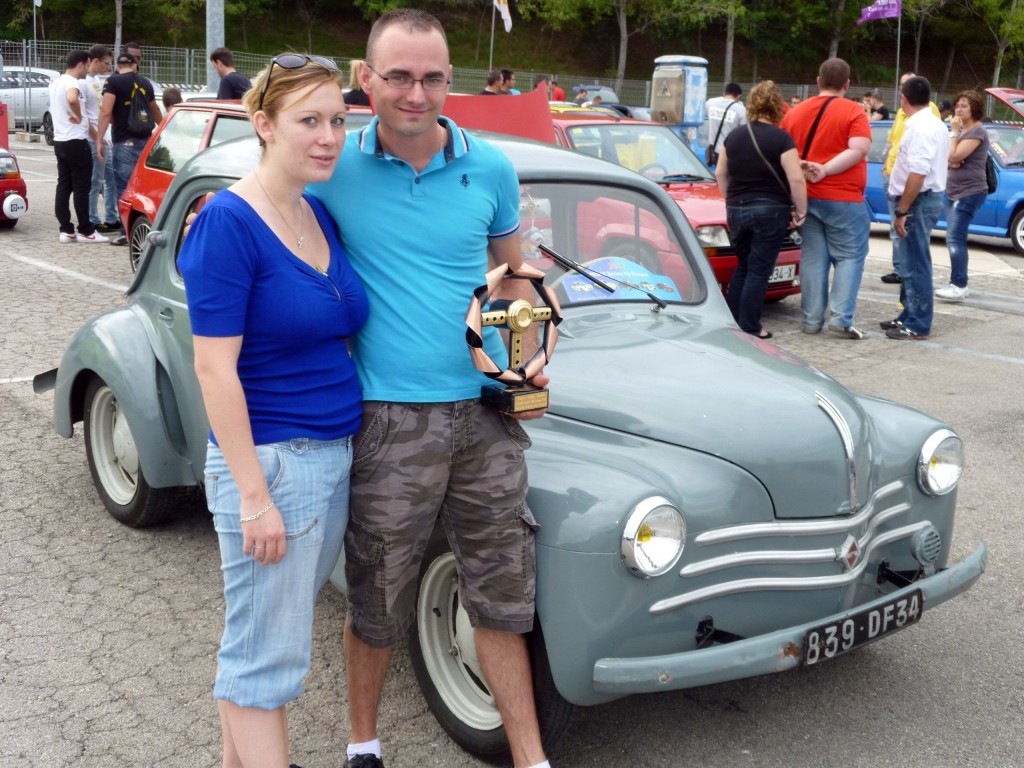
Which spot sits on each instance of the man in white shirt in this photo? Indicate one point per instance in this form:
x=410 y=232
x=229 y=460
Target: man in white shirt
x=103 y=180
x=915 y=191
x=725 y=113
x=71 y=134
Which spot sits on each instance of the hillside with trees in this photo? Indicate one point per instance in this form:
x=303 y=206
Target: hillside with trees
x=956 y=43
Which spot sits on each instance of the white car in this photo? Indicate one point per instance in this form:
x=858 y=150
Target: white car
x=26 y=91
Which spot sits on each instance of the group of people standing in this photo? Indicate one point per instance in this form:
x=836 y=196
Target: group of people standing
x=308 y=319
x=90 y=159
x=805 y=167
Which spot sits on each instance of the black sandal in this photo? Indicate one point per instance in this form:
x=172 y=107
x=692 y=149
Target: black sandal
x=764 y=334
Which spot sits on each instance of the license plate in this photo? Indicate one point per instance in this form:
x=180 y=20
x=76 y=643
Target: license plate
x=783 y=273
x=838 y=637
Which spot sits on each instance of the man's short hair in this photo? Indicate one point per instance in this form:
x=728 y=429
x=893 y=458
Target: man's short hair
x=733 y=89
x=224 y=56
x=507 y=74
x=833 y=74
x=412 y=19
x=76 y=57
x=918 y=91
x=540 y=79
x=494 y=77
x=99 y=52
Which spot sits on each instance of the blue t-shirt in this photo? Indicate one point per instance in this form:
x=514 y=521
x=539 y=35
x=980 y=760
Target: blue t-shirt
x=419 y=243
x=294 y=364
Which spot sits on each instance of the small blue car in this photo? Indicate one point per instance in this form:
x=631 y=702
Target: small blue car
x=711 y=507
x=1002 y=215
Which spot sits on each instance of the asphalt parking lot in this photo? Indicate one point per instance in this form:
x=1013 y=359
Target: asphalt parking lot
x=108 y=635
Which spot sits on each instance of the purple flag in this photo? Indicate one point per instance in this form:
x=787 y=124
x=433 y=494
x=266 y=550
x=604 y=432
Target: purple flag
x=881 y=9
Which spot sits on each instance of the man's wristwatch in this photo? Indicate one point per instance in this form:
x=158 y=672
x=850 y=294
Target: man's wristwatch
x=898 y=213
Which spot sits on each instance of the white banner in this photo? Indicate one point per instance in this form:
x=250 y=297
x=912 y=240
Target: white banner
x=501 y=5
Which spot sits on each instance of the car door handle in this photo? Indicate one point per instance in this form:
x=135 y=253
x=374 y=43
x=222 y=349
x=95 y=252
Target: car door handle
x=166 y=316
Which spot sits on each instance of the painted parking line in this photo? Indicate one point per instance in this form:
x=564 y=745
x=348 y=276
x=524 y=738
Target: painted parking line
x=65 y=272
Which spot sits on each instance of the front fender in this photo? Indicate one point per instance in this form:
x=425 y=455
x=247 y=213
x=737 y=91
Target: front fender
x=116 y=348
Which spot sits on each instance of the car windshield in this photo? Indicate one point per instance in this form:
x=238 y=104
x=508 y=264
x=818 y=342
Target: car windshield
x=1007 y=144
x=652 y=150
x=622 y=237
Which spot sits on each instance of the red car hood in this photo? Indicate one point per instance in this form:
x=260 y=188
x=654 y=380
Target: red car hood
x=701 y=202
x=1011 y=97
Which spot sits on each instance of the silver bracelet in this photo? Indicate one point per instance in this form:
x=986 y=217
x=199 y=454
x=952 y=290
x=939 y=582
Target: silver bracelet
x=258 y=515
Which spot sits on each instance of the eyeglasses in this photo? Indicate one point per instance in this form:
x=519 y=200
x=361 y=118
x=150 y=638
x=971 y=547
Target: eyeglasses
x=293 y=61
x=405 y=82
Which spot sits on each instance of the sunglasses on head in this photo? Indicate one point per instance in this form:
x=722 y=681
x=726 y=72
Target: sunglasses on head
x=293 y=61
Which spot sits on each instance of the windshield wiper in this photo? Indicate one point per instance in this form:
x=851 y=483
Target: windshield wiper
x=579 y=268
x=675 y=177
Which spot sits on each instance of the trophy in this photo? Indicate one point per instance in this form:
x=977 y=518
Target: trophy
x=512 y=394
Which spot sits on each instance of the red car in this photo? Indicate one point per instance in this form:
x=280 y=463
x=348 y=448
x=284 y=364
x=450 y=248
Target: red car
x=188 y=128
x=13 y=193
x=655 y=151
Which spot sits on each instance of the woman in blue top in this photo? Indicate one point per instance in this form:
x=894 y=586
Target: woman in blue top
x=272 y=301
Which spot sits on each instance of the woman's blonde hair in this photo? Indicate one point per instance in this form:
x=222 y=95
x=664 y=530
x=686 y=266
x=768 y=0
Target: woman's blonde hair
x=353 y=74
x=282 y=83
x=765 y=102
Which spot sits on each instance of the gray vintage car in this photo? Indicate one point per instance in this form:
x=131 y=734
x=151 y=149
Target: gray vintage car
x=711 y=507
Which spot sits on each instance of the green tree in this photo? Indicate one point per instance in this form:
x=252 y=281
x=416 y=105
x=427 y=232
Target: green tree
x=1004 y=19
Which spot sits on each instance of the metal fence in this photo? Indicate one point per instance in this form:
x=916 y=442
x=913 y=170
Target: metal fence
x=185 y=68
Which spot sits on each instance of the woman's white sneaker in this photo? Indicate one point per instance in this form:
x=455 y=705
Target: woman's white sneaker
x=95 y=237
x=949 y=293
x=68 y=237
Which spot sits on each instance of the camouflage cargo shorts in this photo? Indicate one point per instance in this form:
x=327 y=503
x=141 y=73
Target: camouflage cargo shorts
x=413 y=462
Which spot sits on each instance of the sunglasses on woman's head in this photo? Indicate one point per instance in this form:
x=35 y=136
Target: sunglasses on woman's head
x=293 y=61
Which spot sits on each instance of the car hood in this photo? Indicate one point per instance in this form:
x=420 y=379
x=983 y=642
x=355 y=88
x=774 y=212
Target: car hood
x=712 y=388
x=1011 y=97
x=701 y=202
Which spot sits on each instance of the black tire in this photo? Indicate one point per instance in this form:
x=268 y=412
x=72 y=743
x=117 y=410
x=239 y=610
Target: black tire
x=454 y=690
x=141 y=227
x=114 y=466
x=8 y=223
x=48 y=128
x=1016 y=232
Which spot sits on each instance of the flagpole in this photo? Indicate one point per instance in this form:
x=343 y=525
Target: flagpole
x=899 y=38
x=490 y=59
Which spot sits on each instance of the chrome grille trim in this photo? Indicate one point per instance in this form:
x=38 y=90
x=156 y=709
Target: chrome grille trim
x=808 y=527
x=848 y=445
x=788 y=584
x=760 y=558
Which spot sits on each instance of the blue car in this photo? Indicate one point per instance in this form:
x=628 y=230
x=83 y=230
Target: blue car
x=1002 y=215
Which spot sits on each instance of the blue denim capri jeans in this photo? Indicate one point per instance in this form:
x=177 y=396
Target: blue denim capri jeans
x=268 y=628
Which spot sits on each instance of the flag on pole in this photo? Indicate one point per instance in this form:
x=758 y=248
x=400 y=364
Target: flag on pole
x=506 y=16
x=880 y=9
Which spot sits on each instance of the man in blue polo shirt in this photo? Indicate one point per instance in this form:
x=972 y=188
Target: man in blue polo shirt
x=420 y=204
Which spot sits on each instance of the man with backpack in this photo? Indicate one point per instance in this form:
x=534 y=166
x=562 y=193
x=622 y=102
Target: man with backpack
x=130 y=108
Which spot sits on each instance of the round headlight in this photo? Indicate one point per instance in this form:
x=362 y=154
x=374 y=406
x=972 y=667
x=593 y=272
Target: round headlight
x=653 y=538
x=941 y=463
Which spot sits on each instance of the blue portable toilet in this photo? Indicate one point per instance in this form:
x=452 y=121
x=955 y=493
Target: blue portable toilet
x=678 y=94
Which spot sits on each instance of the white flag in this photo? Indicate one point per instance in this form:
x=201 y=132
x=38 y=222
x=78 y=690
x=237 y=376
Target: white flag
x=506 y=16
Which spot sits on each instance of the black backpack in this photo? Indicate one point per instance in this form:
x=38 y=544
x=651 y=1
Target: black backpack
x=991 y=178
x=140 y=119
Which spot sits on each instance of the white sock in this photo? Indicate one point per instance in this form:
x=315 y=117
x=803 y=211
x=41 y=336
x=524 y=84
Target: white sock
x=365 y=748
x=545 y=764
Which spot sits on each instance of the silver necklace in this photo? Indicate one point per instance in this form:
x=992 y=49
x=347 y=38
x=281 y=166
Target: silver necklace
x=299 y=239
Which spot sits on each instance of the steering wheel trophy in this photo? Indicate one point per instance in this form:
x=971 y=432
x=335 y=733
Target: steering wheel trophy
x=512 y=394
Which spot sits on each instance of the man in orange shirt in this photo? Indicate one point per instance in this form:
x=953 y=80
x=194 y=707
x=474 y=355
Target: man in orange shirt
x=833 y=136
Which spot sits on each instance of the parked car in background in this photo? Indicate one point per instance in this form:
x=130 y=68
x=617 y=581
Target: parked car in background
x=13 y=192
x=595 y=89
x=1002 y=214
x=710 y=506
x=655 y=151
x=628 y=110
x=187 y=128
x=26 y=91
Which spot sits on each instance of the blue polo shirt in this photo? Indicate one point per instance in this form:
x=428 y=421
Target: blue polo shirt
x=419 y=243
